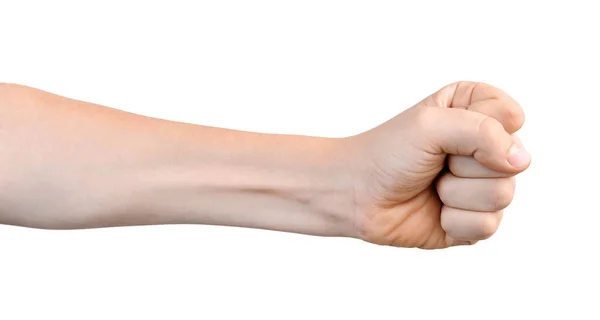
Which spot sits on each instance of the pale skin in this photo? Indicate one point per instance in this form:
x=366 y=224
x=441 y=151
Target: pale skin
x=437 y=175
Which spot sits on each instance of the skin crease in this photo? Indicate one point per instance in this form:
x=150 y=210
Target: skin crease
x=437 y=175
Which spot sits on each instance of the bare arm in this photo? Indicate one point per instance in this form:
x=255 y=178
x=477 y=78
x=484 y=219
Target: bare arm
x=71 y=164
x=438 y=174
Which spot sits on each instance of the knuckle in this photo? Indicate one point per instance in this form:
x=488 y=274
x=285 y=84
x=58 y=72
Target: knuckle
x=488 y=226
x=489 y=129
x=442 y=181
x=454 y=165
x=514 y=118
x=444 y=187
x=446 y=221
x=502 y=193
x=461 y=166
x=424 y=118
x=491 y=135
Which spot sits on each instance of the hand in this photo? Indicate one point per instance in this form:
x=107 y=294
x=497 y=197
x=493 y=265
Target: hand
x=440 y=173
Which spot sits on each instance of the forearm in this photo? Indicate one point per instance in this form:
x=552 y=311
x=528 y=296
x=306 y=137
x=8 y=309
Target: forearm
x=71 y=164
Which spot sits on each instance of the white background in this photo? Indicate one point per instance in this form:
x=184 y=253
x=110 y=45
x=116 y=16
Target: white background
x=328 y=68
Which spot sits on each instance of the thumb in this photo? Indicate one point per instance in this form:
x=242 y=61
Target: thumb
x=469 y=133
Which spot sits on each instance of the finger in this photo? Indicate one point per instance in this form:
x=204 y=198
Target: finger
x=468 y=167
x=465 y=225
x=467 y=133
x=507 y=112
x=476 y=194
x=483 y=98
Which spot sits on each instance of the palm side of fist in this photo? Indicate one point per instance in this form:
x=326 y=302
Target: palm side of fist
x=440 y=173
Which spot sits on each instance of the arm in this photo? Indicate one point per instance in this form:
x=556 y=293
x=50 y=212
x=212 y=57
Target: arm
x=437 y=175
x=71 y=164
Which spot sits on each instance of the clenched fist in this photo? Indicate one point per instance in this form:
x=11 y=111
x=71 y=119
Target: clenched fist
x=440 y=173
x=437 y=175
